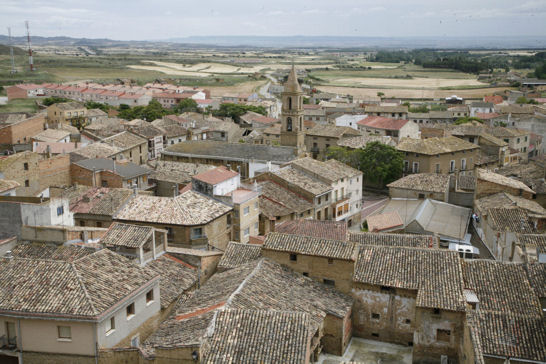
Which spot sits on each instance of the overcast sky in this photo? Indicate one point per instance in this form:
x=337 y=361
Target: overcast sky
x=163 y=19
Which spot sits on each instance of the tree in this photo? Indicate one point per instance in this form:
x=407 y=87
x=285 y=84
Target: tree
x=48 y=101
x=468 y=119
x=381 y=164
x=380 y=94
x=524 y=100
x=97 y=105
x=540 y=71
x=235 y=111
x=420 y=108
x=186 y=105
x=306 y=100
x=79 y=122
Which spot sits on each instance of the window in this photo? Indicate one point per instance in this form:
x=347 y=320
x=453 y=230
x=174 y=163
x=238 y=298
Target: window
x=375 y=334
x=386 y=289
x=443 y=335
x=463 y=164
x=437 y=167
x=246 y=210
x=436 y=311
x=64 y=333
x=329 y=282
x=149 y=296
x=421 y=196
x=99 y=224
x=319 y=200
x=330 y=261
x=406 y=166
x=294 y=257
x=135 y=340
x=326 y=198
x=376 y=316
x=415 y=167
x=305 y=274
x=110 y=325
x=196 y=233
x=247 y=232
x=104 y=183
x=27 y=183
x=25 y=166
x=452 y=166
x=60 y=210
x=408 y=321
x=130 y=311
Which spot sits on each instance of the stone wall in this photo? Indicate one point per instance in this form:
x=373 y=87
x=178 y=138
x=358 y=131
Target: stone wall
x=486 y=188
x=54 y=171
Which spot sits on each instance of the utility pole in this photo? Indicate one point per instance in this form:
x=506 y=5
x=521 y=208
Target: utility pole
x=30 y=60
x=13 y=70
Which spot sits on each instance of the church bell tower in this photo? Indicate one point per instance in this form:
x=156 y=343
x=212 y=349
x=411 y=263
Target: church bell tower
x=292 y=134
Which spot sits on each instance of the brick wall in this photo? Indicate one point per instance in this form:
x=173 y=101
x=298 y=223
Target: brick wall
x=15 y=92
x=22 y=131
x=54 y=171
x=485 y=188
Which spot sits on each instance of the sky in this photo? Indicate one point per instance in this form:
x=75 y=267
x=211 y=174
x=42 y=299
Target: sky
x=165 y=19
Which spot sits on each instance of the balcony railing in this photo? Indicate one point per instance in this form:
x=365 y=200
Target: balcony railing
x=9 y=343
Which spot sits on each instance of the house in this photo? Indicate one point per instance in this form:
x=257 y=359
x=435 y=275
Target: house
x=279 y=204
x=506 y=321
x=517 y=139
x=256 y=121
x=105 y=172
x=143 y=243
x=489 y=183
x=74 y=307
x=65 y=112
x=154 y=136
x=20 y=129
x=481 y=107
x=22 y=168
x=170 y=178
x=429 y=217
x=423 y=307
x=246 y=159
x=131 y=146
x=421 y=185
x=95 y=206
x=438 y=155
x=495 y=99
x=315 y=113
x=349 y=120
x=395 y=128
x=48 y=149
x=460 y=111
x=24 y=91
x=319 y=138
x=243 y=288
x=7 y=187
x=360 y=142
x=52 y=136
x=346 y=186
x=434 y=117
x=191 y=219
x=395 y=112
x=96 y=150
x=225 y=185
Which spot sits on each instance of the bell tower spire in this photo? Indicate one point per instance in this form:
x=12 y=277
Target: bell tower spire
x=292 y=133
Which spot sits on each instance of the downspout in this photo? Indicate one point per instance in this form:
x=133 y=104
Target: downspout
x=20 y=341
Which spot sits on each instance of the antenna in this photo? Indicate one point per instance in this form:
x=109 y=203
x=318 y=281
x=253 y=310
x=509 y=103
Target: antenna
x=30 y=60
x=13 y=70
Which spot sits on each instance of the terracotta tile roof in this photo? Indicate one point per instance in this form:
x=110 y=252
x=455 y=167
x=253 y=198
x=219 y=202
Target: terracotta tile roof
x=363 y=140
x=97 y=150
x=85 y=288
x=380 y=222
x=276 y=200
x=125 y=235
x=380 y=122
x=495 y=99
x=433 y=146
x=499 y=179
x=332 y=131
x=391 y=109
x=50 y=252
x=511 y=219
x=502 y=132
x=536 y=273
x=176 y=278
x=466 y=182
x=509 y=317
x=146 y=130
x=67 y=106
x=177 y=172
x=303 y=180
x=6 y=185
x=216 y=175
x=430 y=182
x=124 y=169
x=51 y=135
x=331 y=170
x=240 y=336
x=436 y=275
x=487 y=115
x=53 y=147
x=97 y=201
x=308 y=245
x=125 y=140
x=326 y=229
x=386 y=239
x=237 y=254
x=536 y=240
x=188 y=208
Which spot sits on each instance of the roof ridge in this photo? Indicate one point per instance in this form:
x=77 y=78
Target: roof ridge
x=243 y=283
x=82 y=285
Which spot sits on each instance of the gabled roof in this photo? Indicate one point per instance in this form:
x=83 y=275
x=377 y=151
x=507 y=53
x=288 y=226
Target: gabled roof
x=125 y=140
x=67 y=106
x=257 y=336
x=125 y=235
x=433 y=146
x=216 y=175
x=308 y=245
x=51 y=135
x=303 y=180
x=189 y=208
x=331 y=170
x=50 y=252
x=6 y=185
x=276 y=200
x=435 y=274
x=386 y=221
x=326 y=229
x=332 y=131
x=386 y=239
x=380 y=122
x=432 y=182
x=123 y=169
x=237 y=254
x=85 y=288
x=485 y=175
x=511 y=219
x=98 y=200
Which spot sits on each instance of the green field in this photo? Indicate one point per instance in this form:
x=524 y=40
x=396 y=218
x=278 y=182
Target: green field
x=22 y=105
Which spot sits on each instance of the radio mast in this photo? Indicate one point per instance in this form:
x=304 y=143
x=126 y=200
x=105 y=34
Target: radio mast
x=13 y=70
x=30 y=60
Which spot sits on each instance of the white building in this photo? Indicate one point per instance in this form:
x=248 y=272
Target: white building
x=350 y=120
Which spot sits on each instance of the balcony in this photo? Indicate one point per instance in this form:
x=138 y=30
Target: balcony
x=8 y=343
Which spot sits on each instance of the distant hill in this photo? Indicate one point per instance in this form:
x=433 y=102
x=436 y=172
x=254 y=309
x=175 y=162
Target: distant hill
x=4 y=49
x=336 y=42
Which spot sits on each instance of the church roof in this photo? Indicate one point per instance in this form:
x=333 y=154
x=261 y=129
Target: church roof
x=292 y=84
